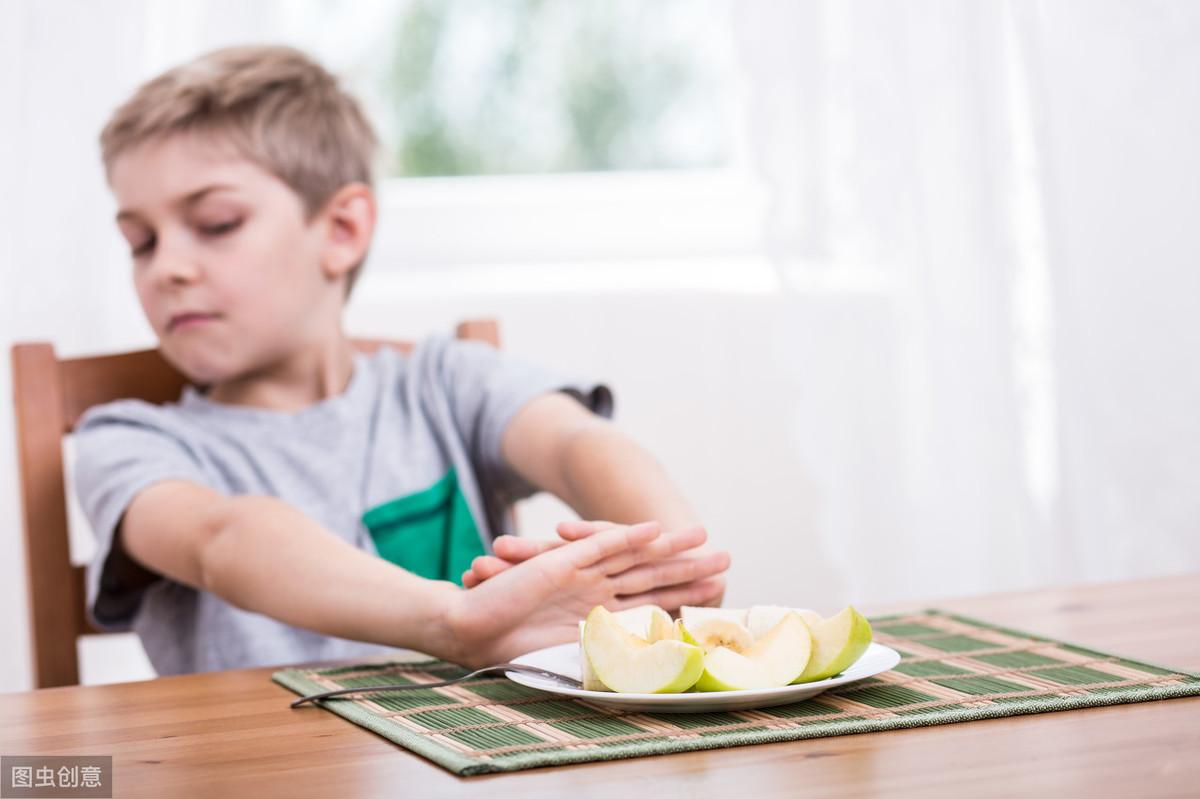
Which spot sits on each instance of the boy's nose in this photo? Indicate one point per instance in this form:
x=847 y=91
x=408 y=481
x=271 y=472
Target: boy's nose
x=174 y=266
x=180 y=271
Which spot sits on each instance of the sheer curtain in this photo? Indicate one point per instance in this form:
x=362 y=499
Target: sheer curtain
x=1015 y=186
x=1120 y=117
x=964 y=360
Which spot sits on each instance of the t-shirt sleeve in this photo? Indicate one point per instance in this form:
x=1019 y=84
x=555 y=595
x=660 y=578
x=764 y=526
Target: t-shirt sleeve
x=121 y=449
x=487 y=387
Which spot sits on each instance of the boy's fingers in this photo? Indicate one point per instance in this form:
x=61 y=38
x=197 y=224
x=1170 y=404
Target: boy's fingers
x=594 y=549
x=469 y=580
x=673 y=597
x=663 y=547
x=485 y=567
x=516 y=549
x=651 y=576
x=575 y=529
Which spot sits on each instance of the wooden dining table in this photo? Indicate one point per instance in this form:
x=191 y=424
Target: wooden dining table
x=232 y=733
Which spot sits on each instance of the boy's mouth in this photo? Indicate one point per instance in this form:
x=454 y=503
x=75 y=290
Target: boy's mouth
x=183 y=321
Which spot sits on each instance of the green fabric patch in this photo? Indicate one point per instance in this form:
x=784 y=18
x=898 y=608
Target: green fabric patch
x=981 y=685
x=1076 y=675
x=397 y=700
x=555 y=709
x=929 y=668
x=597 y=728
x=430 y=533
x=1133 y=664
x=958 y=643
x=687 y=721
x=490 y=737
x=1017 y=660
x=812 y=707
x=451 y=717
x=504 y=691
x=891 y=696
x=906 y=630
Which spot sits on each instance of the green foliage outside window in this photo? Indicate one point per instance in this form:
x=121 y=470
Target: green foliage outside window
x=488 y=87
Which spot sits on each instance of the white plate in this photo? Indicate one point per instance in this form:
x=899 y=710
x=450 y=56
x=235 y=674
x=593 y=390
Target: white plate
x=564 y=659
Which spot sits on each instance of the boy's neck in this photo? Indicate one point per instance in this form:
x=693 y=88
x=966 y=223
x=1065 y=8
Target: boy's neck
x=302 y=379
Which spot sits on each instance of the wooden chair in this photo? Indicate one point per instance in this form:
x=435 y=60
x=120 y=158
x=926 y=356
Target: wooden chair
x=50 y=395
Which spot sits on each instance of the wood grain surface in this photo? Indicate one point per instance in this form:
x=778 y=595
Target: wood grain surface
x=232 y=733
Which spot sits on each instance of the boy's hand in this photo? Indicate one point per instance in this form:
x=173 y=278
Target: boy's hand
x=511 y=550
x=539 y=602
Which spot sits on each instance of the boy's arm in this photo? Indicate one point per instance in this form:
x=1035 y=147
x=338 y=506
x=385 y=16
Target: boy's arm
x=260 y=554
x=555 y=443
x=600 y=472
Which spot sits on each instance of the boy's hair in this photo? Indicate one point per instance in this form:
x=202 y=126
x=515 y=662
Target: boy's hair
x=278 y=107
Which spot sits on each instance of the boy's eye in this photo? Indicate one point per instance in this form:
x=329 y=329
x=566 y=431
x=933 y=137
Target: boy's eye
x=220 y=227
x=144 y=248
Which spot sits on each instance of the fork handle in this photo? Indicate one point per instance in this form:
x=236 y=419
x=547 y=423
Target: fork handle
x=502 y=667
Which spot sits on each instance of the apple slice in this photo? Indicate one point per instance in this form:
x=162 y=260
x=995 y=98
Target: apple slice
x=772 y=661
x=680 y=633
x=627 y=663
x=693 y=617
x=722 y=632
x=648 y=621
x=662 y=627
x=638 y=620
x=838 y=642
x=590 y=681
x=761 y=618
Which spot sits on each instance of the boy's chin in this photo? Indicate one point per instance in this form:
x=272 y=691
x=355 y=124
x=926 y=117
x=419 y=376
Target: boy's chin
x=199 y=370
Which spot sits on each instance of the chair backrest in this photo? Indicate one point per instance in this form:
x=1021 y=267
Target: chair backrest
x=51 y=394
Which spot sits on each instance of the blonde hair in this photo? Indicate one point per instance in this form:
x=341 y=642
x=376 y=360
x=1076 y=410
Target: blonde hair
x=277 y=106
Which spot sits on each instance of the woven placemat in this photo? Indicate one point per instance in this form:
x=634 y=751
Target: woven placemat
x=953 y=669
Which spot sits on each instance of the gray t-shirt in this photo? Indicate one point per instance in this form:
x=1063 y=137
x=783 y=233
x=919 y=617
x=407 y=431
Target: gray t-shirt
x=406 y=464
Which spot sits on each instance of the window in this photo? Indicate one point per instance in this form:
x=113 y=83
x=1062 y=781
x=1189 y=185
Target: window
x=496 y=87
x=545 y=131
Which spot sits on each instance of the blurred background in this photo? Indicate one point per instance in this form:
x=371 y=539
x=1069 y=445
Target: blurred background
x=903 y=294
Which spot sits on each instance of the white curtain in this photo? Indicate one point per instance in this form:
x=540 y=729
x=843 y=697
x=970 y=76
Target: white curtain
x=1016 y=185
x=964 y=362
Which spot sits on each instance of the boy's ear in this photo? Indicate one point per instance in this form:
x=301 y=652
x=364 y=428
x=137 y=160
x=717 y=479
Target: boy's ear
x=348 y=220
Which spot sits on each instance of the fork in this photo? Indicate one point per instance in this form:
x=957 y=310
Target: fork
x=569 y=682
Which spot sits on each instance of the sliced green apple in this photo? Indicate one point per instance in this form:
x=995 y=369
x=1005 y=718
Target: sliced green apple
x=693 y=616
x=761 y=618
x=721 y=632
x=627 y=663
x=590 y=681
x=772 y=661
x=662 y=628
x=681 y=634
x=838 y=642
x=638 y=620
x=649 y=621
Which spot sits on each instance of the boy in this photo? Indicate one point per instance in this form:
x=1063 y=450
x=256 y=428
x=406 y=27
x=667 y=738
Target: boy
x=303 y=502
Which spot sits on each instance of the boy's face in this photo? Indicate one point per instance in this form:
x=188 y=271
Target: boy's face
x=228 y=270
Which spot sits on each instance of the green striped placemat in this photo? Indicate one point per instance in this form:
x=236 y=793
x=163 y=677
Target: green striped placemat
x=953 y=669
